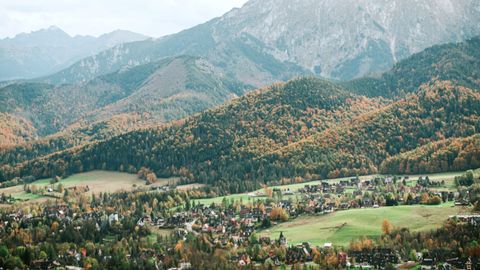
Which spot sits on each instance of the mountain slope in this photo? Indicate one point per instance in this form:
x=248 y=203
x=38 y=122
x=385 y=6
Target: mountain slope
x=241 y=58
x=168 y=89
x=45 y=51
x=305 y=128
x=269 y=40
x=348 y=39
x=15 y=130
x=439 y=110
x=18 y=145
x=230 y=135
x=459 y=62
x=455 y=154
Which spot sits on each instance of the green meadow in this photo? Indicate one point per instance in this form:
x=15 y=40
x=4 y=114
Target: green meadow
x=341 y=227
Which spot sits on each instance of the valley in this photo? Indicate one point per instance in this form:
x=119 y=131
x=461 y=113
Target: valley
x=306 y=134
x=343 y=213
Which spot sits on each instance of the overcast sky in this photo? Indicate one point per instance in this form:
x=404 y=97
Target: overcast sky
x=94 y=17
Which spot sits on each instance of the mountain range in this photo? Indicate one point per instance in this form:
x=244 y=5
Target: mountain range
x=271 y=40
x=395 y=97
x=45 y=51
x=175 y=76
x=308 y=128
x=165 y=90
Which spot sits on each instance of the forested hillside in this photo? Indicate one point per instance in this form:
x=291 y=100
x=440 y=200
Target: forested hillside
x=306 y=128
x=15 y=130
x=170 y=89
x=437 y=111
x=454 y=154
x=459 y=63
x=205 y=147
x=75 y=135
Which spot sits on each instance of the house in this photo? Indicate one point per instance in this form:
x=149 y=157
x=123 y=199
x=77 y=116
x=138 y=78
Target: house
x=185 y=265
x=354 y=181
x=205 y=228
x=327 y=245
x=344 y=183
x=366 y=202
x=462 y=202
x=342 y=258
x=112 y=218
x=282 y=240
x=244 y=259
x=388 y=180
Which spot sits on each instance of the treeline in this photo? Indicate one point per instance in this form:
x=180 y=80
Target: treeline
x=456 y=62
x=454 y=154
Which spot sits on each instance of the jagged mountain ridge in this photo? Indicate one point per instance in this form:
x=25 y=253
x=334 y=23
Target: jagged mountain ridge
x=42 y=52
x=349 y=39
x=271 y=40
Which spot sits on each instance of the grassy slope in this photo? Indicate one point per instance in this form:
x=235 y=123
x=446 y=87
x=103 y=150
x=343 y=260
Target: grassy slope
x=343 y=226
x=97 y=181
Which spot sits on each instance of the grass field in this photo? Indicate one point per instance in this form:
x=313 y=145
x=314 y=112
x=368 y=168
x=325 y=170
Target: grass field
x=341 y=227
x=24 y=196
x=97 y=181
x=236 y=197
x=246 y=198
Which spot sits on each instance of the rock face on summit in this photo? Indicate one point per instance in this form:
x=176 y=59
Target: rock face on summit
x=351 y=38
x=269 y=40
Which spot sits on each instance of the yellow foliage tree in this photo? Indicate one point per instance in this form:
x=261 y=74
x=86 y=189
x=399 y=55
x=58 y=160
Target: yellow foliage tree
x=386 y=227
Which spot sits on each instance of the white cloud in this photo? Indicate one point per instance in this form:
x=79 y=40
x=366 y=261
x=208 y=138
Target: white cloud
x=94 y=17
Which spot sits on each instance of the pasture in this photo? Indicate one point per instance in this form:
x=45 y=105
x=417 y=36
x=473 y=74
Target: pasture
x=341 y=227
x=97 y=181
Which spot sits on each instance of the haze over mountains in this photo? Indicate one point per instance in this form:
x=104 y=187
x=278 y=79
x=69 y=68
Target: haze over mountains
x=42 y=52
x=271 y=40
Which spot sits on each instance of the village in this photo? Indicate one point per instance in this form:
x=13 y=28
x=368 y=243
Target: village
x=237 y=225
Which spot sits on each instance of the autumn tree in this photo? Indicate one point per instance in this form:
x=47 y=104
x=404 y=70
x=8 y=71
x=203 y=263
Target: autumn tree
x=386 y=227
x=268 y=191
x=279 y=213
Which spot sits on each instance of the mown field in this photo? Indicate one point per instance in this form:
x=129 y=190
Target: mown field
x=341 y=227
x=97 y=181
